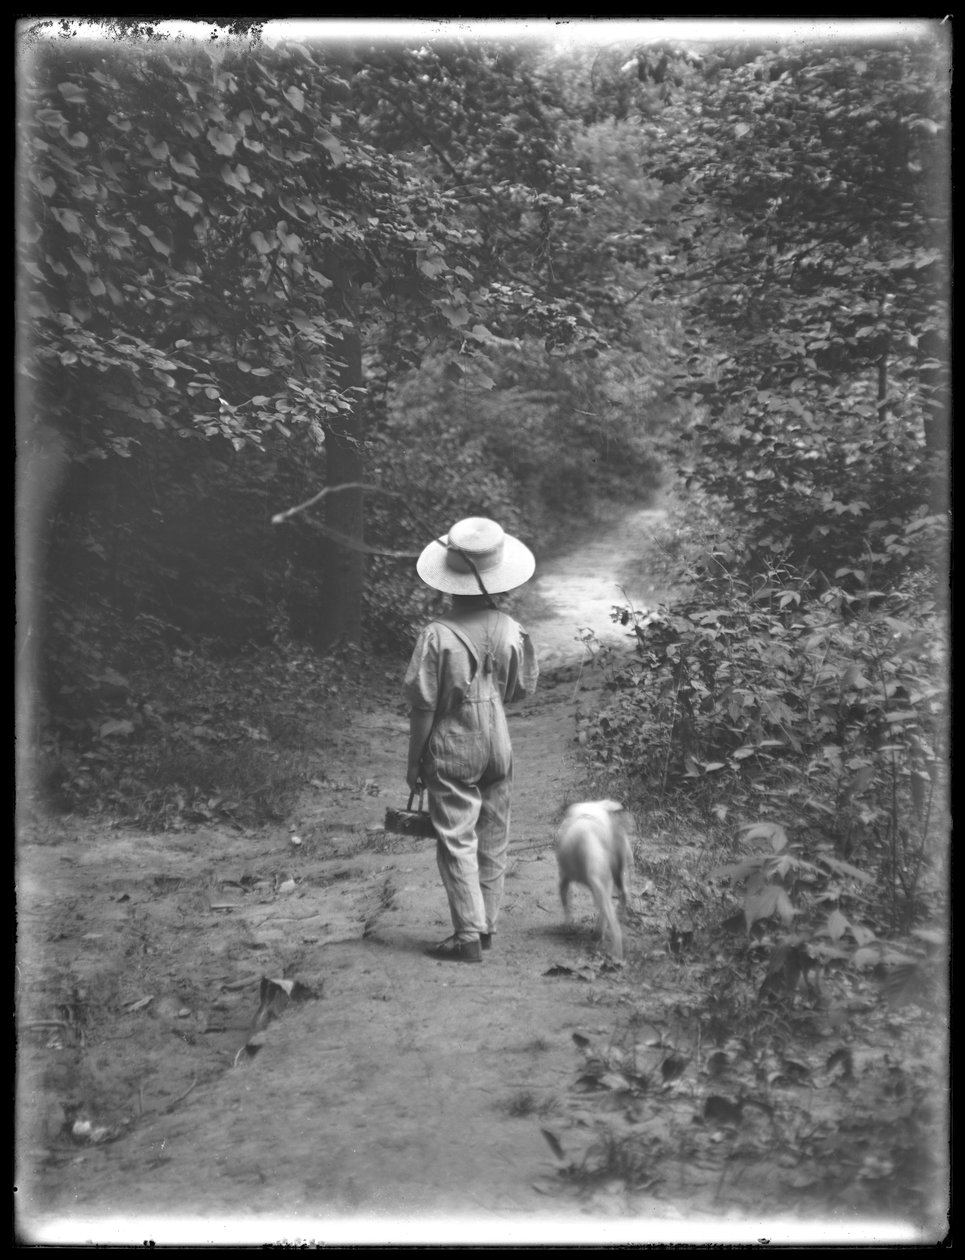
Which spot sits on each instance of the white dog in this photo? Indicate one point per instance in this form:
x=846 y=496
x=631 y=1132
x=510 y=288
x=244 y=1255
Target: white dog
x=593 y=848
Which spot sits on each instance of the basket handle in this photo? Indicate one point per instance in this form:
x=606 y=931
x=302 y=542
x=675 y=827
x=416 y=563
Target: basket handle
x=422 y=793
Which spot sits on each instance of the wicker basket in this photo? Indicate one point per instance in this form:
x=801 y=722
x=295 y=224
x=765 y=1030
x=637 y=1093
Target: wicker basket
x=409 y=821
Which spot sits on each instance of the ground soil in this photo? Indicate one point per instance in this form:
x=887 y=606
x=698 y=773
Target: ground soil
x=234 y=1036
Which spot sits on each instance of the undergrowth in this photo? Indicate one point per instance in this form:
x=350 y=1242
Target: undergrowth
x=782 y=736
x=202 y=737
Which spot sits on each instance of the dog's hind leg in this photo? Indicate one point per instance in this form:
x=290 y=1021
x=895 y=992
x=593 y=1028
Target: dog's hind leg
x=603 y=896
x=565 y=896
x=624 y=886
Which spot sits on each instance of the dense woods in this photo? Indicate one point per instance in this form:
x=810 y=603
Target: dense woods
x=468 y=276
x=285 y=310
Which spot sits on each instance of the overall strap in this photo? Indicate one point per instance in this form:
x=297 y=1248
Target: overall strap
x=484 y=657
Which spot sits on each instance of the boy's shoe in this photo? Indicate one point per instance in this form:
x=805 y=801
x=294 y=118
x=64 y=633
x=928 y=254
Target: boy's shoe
x=486 y=940
x=452 y=950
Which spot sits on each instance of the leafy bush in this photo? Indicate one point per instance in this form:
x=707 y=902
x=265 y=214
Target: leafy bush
x=205 y=738
x=769 y=698
x=823 y=914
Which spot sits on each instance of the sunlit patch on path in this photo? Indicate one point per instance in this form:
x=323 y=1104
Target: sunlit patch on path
x=576 y=592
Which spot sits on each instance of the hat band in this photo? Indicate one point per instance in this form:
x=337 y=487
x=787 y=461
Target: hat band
x=461 y=560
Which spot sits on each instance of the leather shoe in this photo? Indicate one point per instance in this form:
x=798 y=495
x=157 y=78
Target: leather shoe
x=452 y=950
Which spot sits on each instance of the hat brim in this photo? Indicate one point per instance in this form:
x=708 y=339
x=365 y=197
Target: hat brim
x=516 y=566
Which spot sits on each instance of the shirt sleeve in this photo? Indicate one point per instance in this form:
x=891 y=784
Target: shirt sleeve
x=528 y=666
x=440 y=671
x=421 y=686
x=523 y=672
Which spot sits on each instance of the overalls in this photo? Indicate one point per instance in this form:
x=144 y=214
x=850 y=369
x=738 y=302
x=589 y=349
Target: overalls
x=468 y=764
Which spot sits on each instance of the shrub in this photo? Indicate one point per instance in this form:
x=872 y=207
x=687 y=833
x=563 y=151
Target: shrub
x=770 y=698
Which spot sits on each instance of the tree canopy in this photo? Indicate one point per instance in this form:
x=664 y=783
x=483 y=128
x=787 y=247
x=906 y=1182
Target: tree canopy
x=250 y=271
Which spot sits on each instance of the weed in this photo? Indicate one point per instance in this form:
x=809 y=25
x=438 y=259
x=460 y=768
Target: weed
x=629 y=1158
x=200 y=740
x=526 y=1103
x=538 y=1045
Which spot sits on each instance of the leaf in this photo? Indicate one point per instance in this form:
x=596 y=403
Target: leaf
x=185 y=164
x=231 y=179
x=673 y=1066
x=71 y=93
x=296 y=98
x=785 y=909
x=845 y=868
x=931 y=936
x=332 y=146
x=68 y=219
x=853 y=677
x=553 y=1143
x=139 y=1004
x=862 y=936
x=432 y=267
x=837 y=925
x=736 y=871
x=843 y=1059
x=115 y=726
x=761 y=905
x=721 y=1110
x=222 y=141
x=189 y=202
x=772 y=832
x=862 y=780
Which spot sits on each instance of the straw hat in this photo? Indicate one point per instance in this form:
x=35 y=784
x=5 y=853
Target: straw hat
x=501 y=561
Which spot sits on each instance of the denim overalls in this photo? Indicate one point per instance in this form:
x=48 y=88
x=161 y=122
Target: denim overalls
x=469 y=668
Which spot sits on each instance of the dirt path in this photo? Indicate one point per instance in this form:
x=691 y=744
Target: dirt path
x=365 y=1093
x=577 y=592
x=391 y=1095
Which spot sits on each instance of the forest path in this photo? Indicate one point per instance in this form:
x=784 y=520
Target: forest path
x=576 y=592
x=407 y=1101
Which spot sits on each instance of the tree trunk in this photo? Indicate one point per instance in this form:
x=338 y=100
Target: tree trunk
x=343 y=569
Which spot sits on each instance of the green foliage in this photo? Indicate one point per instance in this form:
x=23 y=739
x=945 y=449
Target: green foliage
x=193 y=737
x=227 y=256
x=546 y=444
x=824 y=907
x=770 y=696
x=807 y=247
x=194 y=218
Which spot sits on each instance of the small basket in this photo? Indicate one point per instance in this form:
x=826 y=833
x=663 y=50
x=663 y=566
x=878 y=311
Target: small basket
x=409 y=821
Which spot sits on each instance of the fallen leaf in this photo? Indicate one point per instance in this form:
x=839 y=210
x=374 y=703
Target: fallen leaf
x=672 y=1066
x=721 y=1110
x=554 y=1143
